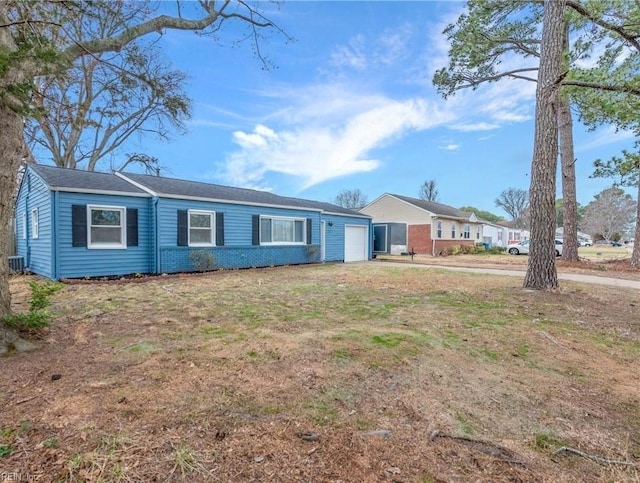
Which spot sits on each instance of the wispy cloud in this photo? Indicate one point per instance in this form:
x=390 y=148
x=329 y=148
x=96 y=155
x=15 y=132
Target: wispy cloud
x=361 y=52
x=604 y=137
x=327 y=146
x=351 y=55
x=449 y=147
x=477 y=126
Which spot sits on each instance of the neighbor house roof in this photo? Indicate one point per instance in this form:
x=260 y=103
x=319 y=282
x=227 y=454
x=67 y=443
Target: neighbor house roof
x=180 y=188
x=65 y=179
x=436 y=208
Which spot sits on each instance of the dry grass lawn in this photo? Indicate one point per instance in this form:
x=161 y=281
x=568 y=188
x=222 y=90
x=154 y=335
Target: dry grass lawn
x=346 y=373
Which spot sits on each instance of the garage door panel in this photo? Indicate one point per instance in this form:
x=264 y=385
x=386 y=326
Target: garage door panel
x=355 y=243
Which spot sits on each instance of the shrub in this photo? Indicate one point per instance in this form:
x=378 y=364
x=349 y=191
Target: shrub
x=37 y=317
x=41 y=294
x=203 y=260
x=454 y=250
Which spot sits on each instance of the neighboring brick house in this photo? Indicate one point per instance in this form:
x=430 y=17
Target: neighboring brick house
x=430 y=227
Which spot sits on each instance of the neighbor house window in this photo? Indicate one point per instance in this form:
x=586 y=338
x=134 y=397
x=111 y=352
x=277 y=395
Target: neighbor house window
x=282 y=230
x=201 y=226
x=478 y=232
x=466 y=231
x=106 y=227
x=453 y=230
x=439 y=229
x=24 y=225
x=34 y=223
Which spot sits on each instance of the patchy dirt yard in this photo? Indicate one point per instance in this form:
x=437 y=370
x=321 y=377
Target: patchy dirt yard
x=350 y=373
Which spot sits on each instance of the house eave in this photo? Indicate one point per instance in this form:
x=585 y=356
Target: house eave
x=65 y=189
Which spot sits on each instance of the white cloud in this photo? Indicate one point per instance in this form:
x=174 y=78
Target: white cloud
x=604 y=137
x=477 y=126
x=351 y=55
x=449 y=147
x=361 y=52
x=316 y=145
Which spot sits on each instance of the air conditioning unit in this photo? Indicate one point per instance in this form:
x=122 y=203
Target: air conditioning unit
x=16 y=264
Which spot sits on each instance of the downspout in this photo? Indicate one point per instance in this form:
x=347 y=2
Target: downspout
x=27 y=231
x=433 y=239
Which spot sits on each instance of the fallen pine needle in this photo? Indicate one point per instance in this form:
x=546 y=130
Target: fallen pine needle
x=597 y=459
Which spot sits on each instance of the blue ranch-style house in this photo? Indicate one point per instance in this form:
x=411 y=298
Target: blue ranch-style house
x=73 y=224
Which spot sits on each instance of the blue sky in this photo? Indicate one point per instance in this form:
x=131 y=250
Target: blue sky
x=350 y=104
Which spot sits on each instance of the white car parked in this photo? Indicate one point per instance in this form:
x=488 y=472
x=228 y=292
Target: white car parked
x=522 y=248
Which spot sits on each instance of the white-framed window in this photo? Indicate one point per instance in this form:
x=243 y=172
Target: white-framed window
x=466 y=231
x=24 y=225
x=277 y=230
x=478 y=232
x=34 y=223
x=201 y=228
x=453 y=230
x=439 y=229
x=106 y=226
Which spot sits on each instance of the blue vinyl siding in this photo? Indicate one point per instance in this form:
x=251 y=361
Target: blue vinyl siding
x=334 y=235
x=21 y=243
x=37 y=252
x=238 y=251
x=76 y=262
x=53 y=255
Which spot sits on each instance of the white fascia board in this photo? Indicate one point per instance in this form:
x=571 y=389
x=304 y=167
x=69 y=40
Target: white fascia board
x=374 y=201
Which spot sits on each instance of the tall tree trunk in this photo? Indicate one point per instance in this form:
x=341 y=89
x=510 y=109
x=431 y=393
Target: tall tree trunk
x=568 y=168
x=635 y=254
x=11 y=147
x=541 y=270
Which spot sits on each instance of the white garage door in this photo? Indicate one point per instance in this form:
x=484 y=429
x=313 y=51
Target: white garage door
x=355 y=243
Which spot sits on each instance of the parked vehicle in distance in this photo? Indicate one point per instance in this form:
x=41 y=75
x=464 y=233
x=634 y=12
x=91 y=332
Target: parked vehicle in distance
x=585 y=243
x=522 y=248
x=608 y=242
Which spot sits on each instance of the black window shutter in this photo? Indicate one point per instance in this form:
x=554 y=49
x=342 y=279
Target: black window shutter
x=255 y=230
x=132 y=227
x=309 y=222
x=219 y=229
x=183 y=227
x=79 y=225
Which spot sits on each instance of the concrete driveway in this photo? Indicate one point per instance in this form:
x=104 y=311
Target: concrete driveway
x=574 y=277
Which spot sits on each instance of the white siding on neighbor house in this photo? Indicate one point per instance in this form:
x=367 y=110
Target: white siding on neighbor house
x=496 y=235
x=390 y=209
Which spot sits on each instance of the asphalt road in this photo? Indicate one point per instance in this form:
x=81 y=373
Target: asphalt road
x=574 y=277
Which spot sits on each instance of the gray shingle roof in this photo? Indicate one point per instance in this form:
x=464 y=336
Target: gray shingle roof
x=56 y=177
x=435 y=208
x=180 y=187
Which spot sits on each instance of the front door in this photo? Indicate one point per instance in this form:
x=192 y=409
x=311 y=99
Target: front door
x=380 y=238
